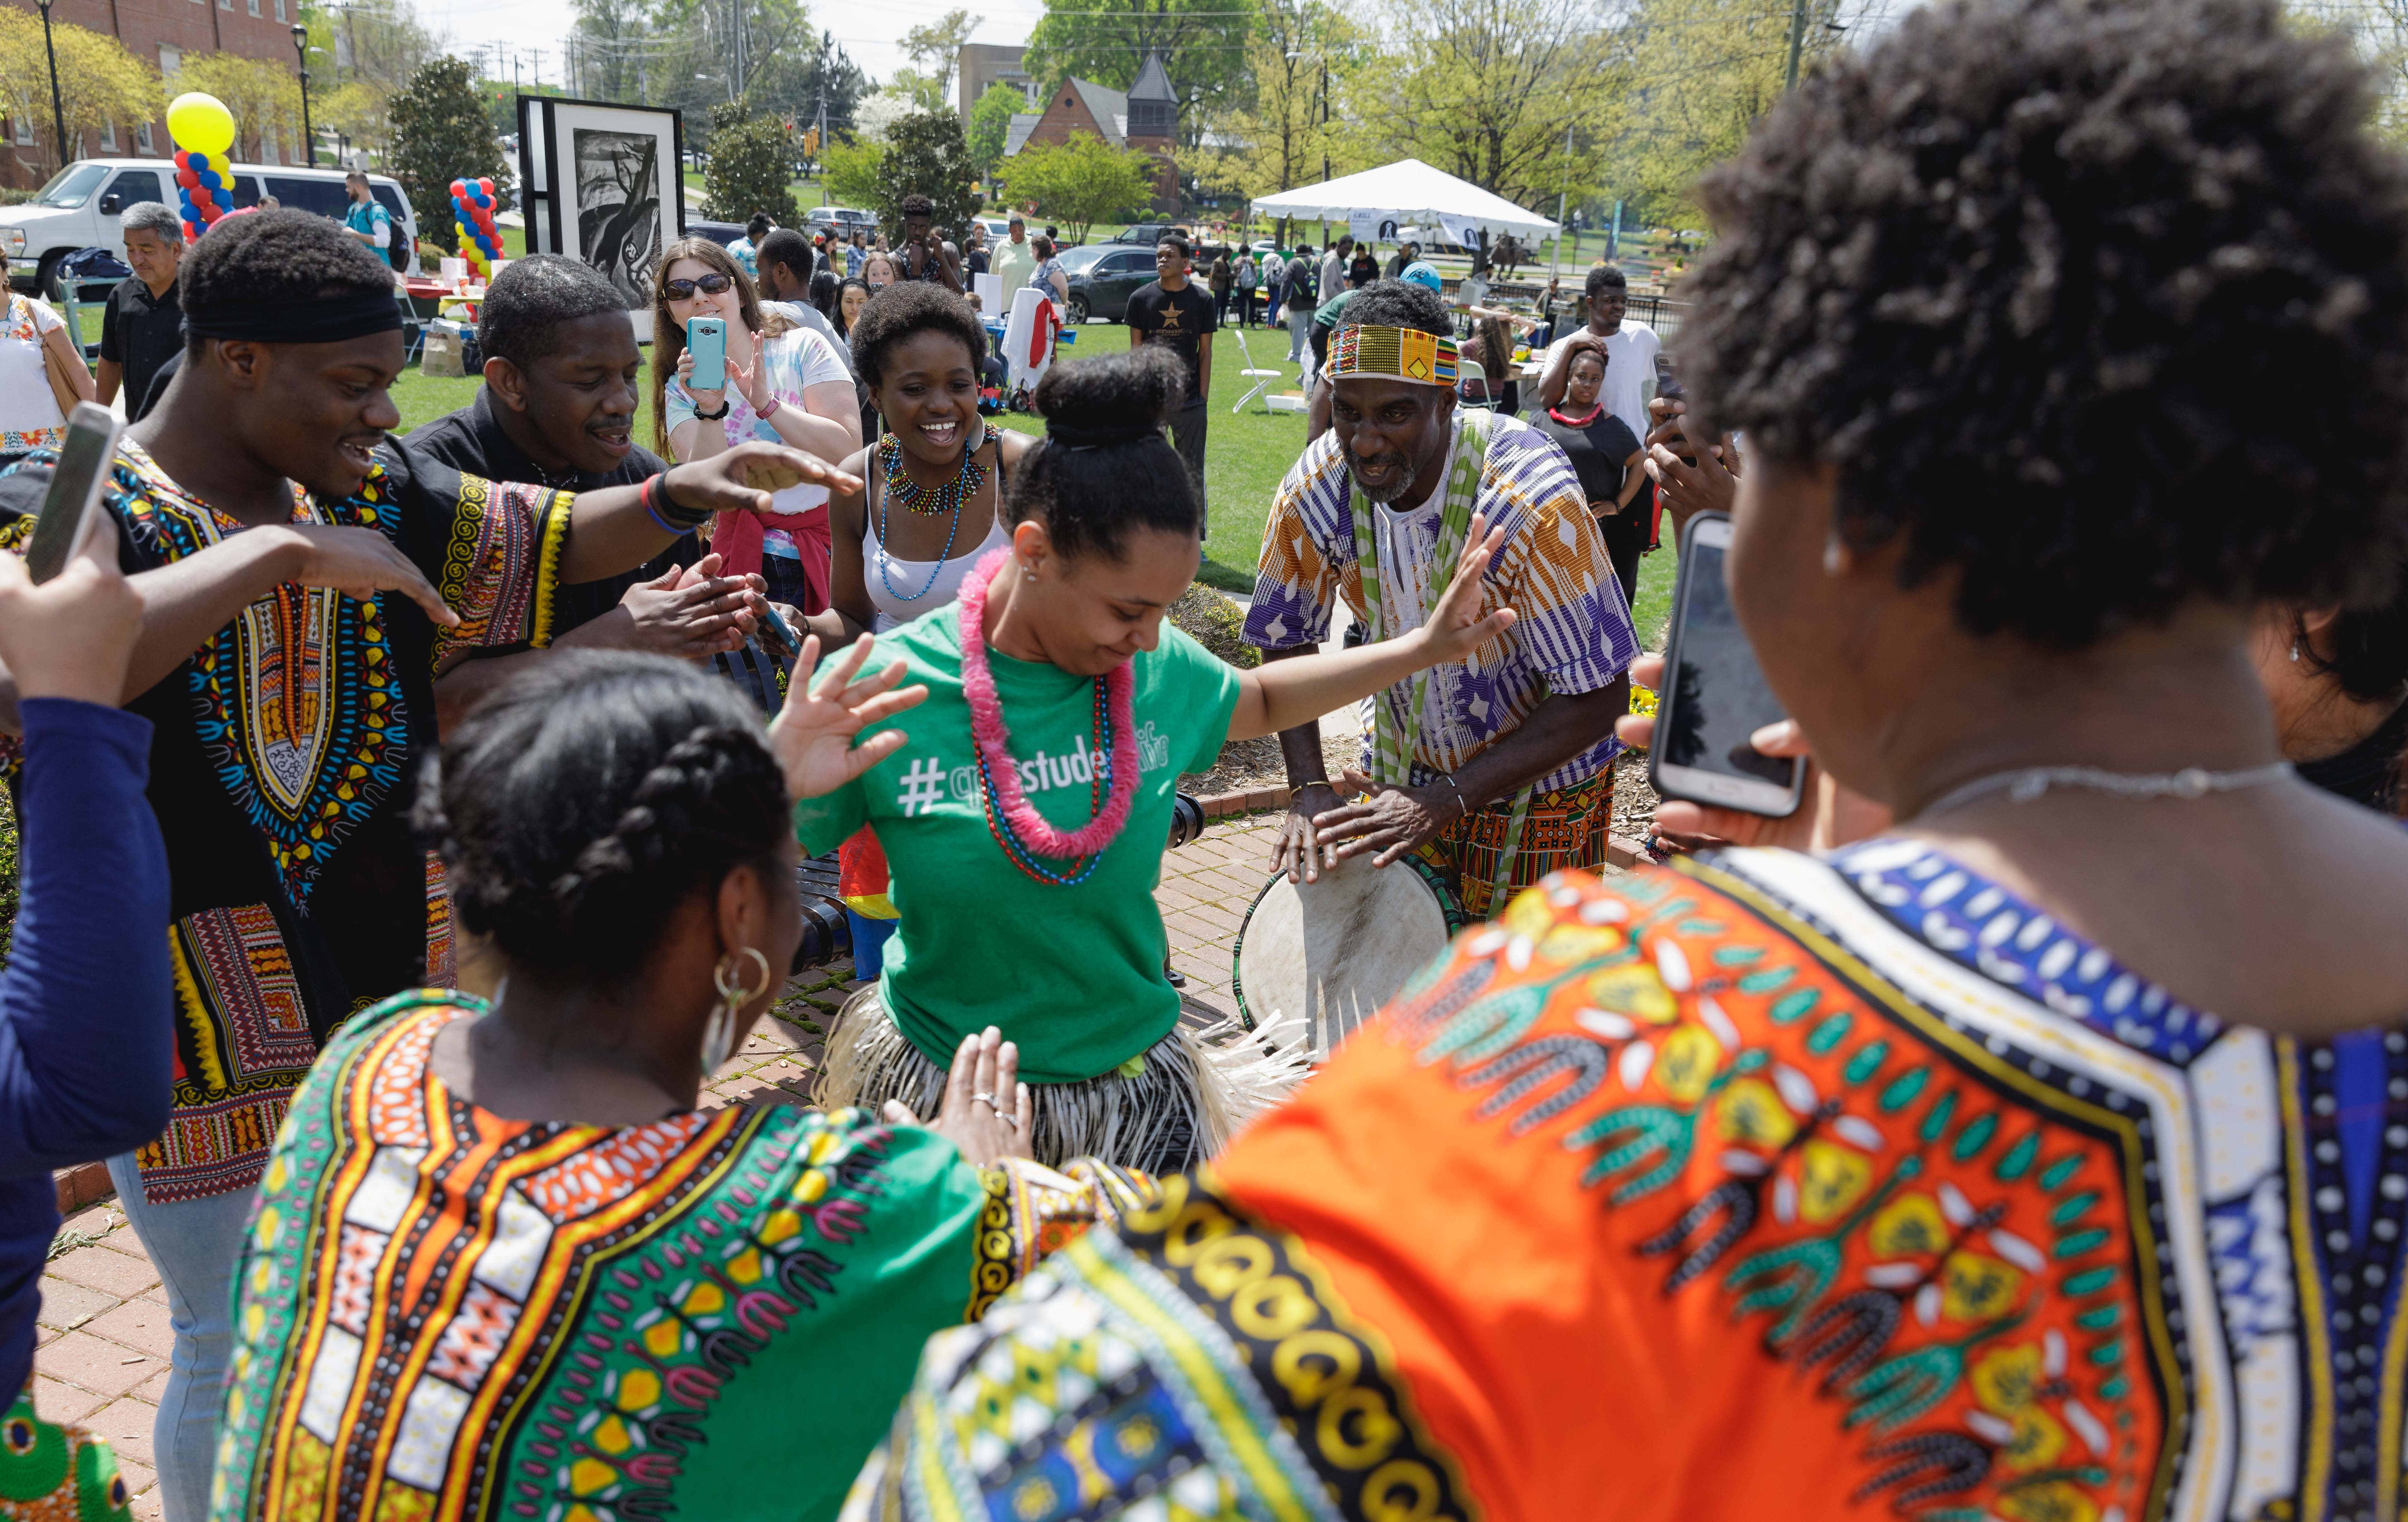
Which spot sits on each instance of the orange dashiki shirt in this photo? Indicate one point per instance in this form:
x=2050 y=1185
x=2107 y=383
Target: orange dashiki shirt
x=1762 y=1186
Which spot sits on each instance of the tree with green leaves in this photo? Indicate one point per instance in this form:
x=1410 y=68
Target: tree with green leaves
x=1203 y=45
x=990 y=125
x=1484 y=89
x=937 y=48
x=1083 y=182
x=751 y=167
x=925 y=153
x=849 y=171
x=441 y=134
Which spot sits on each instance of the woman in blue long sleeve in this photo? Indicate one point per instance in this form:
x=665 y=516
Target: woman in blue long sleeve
x=85 y=1044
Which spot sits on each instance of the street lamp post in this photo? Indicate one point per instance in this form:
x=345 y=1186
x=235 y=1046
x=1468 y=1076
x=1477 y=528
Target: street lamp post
x=309 y=137
x=58 y=112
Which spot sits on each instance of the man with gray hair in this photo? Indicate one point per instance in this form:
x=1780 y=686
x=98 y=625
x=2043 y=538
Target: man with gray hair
x=143 y=326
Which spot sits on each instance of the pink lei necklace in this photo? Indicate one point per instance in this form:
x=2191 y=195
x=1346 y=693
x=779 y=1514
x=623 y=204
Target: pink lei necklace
x=1017 y=826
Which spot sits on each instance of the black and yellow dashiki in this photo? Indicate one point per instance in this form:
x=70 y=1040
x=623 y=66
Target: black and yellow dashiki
x=281 y=766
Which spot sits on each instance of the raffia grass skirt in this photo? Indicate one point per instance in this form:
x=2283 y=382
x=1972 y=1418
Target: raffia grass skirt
x=1191 y=1092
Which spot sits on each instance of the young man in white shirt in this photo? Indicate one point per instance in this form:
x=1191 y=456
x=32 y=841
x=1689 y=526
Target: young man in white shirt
x=1012 y=262
x=1630 y=350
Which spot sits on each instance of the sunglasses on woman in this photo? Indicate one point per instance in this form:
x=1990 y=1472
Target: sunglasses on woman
x=710 y=285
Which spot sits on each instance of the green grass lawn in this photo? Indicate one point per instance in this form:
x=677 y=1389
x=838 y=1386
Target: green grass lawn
x=1245 y=456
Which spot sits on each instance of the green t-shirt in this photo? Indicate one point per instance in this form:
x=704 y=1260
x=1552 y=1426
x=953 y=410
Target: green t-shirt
x=1072 y=973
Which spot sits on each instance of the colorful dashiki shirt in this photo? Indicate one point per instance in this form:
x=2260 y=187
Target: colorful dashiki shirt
x=446 y=1313
x=1756 y=1188
x=54 y=1474
x=280 y=761
x=1574 y=635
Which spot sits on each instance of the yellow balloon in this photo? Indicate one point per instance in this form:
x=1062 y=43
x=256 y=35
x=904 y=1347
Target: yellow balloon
x=200 y=124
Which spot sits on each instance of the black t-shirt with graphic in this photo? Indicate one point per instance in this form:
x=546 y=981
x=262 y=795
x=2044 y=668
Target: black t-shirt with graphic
x=1178 y=319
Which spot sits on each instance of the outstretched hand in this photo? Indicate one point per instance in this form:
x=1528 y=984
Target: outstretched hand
x=986 y=1111
x=812 y=735
x=1456 y=627
x=741 y=479
x=74 y=635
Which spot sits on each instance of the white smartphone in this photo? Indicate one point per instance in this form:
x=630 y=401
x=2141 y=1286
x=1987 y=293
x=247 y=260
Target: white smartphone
x=1714 y=694
x=71 y=506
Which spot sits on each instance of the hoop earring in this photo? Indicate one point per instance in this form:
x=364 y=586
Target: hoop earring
x=718 y=1032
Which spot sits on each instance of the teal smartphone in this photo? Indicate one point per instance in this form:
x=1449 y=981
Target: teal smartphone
x=705 y=339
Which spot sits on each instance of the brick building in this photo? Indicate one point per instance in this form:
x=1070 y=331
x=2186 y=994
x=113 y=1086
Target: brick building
x=1146 y=119
x=162 y=34
x=984 y=64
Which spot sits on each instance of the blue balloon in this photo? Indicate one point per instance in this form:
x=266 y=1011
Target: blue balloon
x=208 y=177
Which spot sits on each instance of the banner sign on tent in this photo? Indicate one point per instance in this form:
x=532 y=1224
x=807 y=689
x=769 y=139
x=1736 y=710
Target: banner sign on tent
x=1464 y=232
x=1364 y=226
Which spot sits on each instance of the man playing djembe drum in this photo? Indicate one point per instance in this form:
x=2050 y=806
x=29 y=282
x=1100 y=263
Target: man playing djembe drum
x=1494 y=771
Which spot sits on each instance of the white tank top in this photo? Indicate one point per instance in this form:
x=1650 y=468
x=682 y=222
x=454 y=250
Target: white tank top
x=917 y=585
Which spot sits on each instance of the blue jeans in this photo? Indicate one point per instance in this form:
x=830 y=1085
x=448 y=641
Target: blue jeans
x=194 y=1247
x=870 y=939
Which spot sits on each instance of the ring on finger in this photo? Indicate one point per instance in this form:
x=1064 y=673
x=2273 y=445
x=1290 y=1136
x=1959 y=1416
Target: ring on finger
x=983 y=1096
x=1012 y=1121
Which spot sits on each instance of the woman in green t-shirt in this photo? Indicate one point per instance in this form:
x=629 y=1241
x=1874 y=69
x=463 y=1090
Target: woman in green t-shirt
x=1025 y=815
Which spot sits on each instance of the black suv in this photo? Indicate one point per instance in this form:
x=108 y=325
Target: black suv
x=1145 y=234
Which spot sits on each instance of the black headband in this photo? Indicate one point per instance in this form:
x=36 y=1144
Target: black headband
x=1070 y=436
x=353 y=314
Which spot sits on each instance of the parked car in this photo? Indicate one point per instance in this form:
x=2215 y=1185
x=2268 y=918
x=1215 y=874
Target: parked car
x=843 y=219
x=79 y=208
x=1103 y=276
x=1143 y=233
x=720 y=233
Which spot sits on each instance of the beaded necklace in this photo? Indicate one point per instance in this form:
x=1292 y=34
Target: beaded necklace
x=943 y=500
x=890 y=458
x=1112 y=781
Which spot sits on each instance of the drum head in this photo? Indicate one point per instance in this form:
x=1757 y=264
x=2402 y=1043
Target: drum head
x=1334 y=950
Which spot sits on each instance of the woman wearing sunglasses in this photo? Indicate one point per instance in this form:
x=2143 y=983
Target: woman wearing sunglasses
x=785 y=384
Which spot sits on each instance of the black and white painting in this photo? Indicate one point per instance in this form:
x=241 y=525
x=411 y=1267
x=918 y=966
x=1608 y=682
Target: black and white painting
x=618 y=208
x=602 y=186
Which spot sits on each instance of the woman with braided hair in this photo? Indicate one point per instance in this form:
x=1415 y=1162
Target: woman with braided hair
x=502 y=1262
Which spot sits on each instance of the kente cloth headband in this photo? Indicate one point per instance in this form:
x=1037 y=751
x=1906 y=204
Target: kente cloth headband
x=321 y=320
x=1400 y=353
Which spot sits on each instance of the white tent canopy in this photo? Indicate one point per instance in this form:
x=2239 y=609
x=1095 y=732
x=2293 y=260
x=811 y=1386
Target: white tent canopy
x=1407 y=191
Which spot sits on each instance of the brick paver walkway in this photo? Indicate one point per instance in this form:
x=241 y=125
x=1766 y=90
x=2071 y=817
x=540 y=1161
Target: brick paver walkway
x=104 y=1339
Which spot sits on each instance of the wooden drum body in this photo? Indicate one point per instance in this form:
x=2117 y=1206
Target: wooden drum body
x=1333 y=952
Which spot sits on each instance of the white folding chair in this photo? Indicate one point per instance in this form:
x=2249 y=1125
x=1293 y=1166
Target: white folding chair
x=1471 y=369
x=1262 y=379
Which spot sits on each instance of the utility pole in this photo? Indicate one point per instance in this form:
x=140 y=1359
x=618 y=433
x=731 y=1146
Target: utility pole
x=58 y=112
x=1563 y=193
x=1796 y=38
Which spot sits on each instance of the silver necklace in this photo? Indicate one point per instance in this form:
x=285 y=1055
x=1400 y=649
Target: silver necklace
x=2025 y=784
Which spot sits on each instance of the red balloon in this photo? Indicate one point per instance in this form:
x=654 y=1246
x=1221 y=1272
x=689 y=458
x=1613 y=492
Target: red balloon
x=460 y=188
x=188 y=180
x=487 y=186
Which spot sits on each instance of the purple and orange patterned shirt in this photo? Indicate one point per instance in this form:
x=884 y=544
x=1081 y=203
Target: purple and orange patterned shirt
x=1574 y=634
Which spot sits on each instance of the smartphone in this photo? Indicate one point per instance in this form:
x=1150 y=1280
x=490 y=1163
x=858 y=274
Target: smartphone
x=71 y=506
x=706 y=338
x=1714 y=694
x=780 y=630
x=1667 y=385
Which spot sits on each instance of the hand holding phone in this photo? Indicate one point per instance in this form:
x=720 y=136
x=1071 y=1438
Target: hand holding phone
x=71 y=506
x=71 y=633
x=705 y=340
x=1714 y=698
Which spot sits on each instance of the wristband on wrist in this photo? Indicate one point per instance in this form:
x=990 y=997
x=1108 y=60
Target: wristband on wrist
x=663 y=509
x=765 y=413
x=719 y=416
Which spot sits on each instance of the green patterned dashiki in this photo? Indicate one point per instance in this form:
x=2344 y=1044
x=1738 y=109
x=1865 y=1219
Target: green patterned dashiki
x=446 y=1313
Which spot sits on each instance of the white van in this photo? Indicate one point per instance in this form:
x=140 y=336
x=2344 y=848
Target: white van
x=79 y=208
